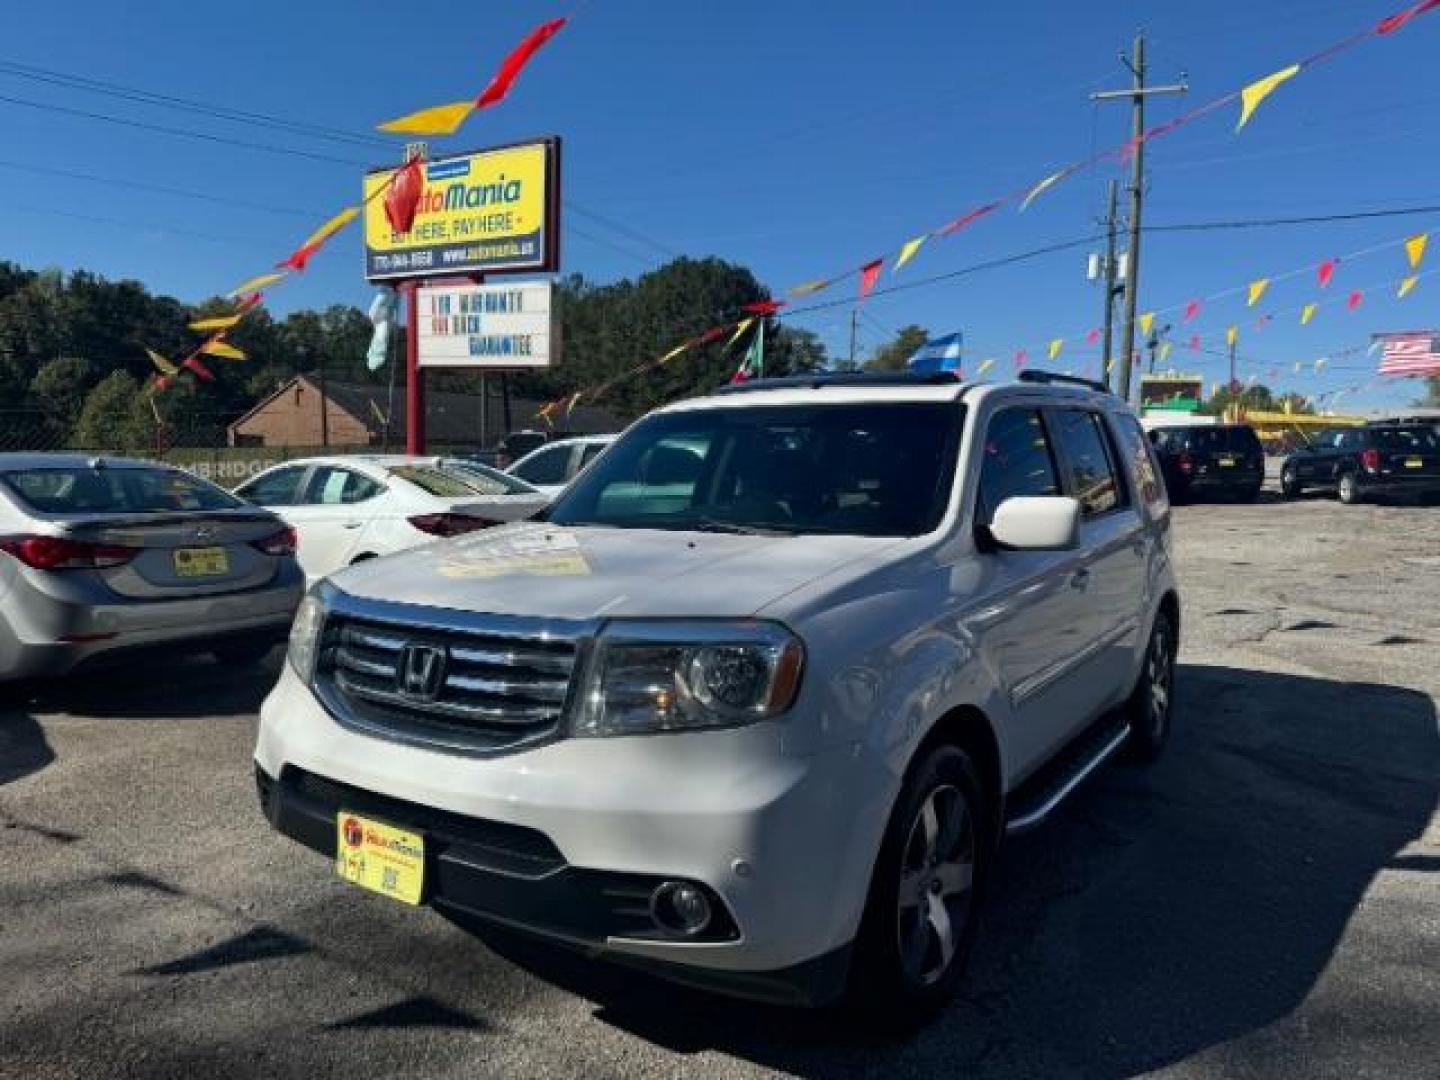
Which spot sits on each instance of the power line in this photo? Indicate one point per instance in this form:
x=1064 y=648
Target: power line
x=1312 y=219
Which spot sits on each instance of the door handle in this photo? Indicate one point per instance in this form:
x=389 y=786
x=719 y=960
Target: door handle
x=1080 y=579
x=352 y=525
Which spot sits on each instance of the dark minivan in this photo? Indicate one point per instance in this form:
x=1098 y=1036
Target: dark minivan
x=1224 y=460
x=1362 y=463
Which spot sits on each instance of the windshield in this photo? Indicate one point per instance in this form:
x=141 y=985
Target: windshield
x=865 y=470
x=115 y=491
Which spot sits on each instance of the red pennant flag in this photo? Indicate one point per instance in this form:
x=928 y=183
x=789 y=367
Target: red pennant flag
x=1353 y=300
x=1326 y=270
x=162 y=382
x=511 y=66
x=965 y=219
x=297 y=259
x=1194 y=342
x=1092 y=337
x=1020 y=357
x=764 y=307
x=245 y=303
x=1394 y=22
x=403 y=198
x=193 y=363
x=1192 y=309
x=711 y=334
x=868 y=273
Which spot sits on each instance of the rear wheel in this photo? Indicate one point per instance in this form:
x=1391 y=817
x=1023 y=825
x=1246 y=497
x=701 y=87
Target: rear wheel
x=242 y=653
x=1150 y=704
x=920 y=917
x=1349 y=489
x=1290 y=485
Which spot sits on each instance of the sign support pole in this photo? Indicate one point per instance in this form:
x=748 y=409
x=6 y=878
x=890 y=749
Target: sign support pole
x=414 y=376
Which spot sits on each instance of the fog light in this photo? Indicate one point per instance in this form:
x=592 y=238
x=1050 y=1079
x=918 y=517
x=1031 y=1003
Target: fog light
x=680 y=908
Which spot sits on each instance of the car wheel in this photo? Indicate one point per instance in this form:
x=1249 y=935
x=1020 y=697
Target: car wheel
x=242 y=653
x=920 y=917
x=1349 y=489
x=1290 y=485
x=1150 y=704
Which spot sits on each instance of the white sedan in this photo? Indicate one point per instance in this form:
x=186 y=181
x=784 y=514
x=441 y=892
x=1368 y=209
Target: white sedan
x=550 y=467
x=347 y=509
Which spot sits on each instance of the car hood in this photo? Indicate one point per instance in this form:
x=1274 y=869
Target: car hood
x=554 y=571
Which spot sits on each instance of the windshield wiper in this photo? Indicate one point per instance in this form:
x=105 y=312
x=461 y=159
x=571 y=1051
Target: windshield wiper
x=716 y=526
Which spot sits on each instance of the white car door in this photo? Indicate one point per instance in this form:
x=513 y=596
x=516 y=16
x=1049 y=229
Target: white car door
x=1110 y=578
x=330 y=516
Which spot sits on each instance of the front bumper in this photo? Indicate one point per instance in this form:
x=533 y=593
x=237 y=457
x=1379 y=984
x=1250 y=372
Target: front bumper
x=566 y=840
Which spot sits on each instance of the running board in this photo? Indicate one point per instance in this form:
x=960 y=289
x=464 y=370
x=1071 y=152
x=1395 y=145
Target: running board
x=1034 y=800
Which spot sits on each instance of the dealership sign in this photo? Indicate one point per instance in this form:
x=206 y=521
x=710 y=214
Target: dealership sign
x=486 y=326
x=479 y=213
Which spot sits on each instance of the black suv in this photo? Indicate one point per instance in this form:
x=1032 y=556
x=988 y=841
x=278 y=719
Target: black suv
x=1366 y=462
x=1210 y=459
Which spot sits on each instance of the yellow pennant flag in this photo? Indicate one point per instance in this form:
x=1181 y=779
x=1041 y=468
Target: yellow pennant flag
x=254 y=284
x=1055 y=346
x=1232 y=334
x=1256 y=290
x=331 y=227
x=805 y=288
x=676 y=351
x=985 y=365
x=907 y=252
x=1307 y=313
x=164 y=366
x=222 y=349
x=1252 y=95
x=219 y=322
x=1415 y=248
x=1146 y=321
x=740 y=329
x=1406 y=286
x=436 y=120
x=1040 y=187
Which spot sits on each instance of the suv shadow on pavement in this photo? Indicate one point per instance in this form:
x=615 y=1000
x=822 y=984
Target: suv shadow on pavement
x=23 y=747
x=1159 y=914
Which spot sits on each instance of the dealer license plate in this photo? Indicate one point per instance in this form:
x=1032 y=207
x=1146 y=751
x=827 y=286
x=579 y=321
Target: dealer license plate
x=379 y=857
x=201 y=562
x=1227 y=462
x=1413 y=463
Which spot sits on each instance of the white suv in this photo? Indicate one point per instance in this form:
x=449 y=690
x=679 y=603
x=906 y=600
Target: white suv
x=754 y=707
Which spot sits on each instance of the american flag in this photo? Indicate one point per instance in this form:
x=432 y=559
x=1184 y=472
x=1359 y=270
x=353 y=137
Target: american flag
x=1416 y=352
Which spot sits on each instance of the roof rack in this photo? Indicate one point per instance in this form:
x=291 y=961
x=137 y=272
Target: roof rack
x=1034 y=375
x=844 y=378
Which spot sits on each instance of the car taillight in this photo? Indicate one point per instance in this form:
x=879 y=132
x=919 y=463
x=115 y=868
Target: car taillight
x=1183 y=461
x=58 y=553
x=280 y=543
x=450 y=524
x=1370 y=459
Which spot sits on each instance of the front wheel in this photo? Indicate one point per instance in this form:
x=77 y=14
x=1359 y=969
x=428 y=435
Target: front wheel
x=1349 y=489
x=920 y=917
x=1151 y=702
x=1290 y=485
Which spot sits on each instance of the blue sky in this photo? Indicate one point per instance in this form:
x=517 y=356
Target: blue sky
x=799 y=138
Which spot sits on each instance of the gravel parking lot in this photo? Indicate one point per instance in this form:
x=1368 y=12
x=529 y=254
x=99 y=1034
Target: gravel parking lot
x=1265 y=902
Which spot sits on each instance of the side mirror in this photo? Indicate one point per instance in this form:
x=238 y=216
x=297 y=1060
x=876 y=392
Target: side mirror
x=1036 y=523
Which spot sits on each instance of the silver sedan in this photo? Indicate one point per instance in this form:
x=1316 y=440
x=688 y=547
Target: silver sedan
x=103 y=558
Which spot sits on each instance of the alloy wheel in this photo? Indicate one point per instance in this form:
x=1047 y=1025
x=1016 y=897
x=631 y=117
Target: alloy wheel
x=937 y=877
x=1160 y=676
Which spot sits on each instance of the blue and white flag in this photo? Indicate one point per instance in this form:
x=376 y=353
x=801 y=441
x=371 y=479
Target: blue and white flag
x=942 y=354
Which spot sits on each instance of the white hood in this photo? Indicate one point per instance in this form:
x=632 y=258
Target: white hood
x=554 y=571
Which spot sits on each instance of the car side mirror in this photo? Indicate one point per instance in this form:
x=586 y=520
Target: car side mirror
x=1036 y=523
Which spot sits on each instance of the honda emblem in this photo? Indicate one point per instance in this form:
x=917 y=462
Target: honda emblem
x=420 y=671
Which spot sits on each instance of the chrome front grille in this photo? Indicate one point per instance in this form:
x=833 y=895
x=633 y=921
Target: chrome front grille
x=499 y=683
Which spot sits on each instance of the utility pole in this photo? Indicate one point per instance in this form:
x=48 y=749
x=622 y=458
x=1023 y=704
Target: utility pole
x=854 y=316
x=1110 y=286
x=1137 y=93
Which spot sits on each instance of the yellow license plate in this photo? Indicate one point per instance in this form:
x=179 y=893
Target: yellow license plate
x=1413 y=463
x=379 y=857
x=201 y=562
x=1227 y=461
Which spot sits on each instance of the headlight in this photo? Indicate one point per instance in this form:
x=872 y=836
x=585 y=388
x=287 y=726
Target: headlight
x=646 y=677
x=304 y=644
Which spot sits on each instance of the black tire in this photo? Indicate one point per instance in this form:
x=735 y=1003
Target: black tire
x=1150 y=706
x=1290 y=485
x=941 y=863
x=243 y=653
x=1348 y=488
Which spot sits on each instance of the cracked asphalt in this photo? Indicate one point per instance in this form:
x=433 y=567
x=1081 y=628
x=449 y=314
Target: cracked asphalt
x=1264 y=902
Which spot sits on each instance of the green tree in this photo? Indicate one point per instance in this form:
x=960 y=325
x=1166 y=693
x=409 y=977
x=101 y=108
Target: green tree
x=893 y=355
x=60 y=388
x=114 y=419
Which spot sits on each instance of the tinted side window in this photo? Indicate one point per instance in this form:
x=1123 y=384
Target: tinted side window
x=1017 y=461
x=546 y=467
x=1093 y=478
x=274 y=488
